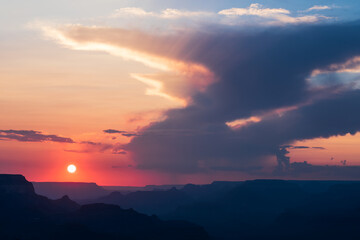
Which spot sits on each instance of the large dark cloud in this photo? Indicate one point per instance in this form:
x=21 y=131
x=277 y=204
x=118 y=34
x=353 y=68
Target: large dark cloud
x=31 y=136
x=257 y=71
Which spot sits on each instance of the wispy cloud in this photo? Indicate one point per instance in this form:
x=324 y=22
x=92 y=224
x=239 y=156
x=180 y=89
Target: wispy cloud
x=111 y=131
x=350 y=66
x=123 y=133
x=318 y=8
x=169 y=13
x=320 y=148
x=32 y=136
x=280 y=15
x=302 y=147
x=275 y=15
x=124 y=43
x=99 y=147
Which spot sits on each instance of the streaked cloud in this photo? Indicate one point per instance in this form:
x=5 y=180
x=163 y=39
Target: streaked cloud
x=32 y=136
x=169 y=13
x=279 y=15
x=97 y=147
x=318 y=8
x=111 y=131
x=123 y=133
x=125 y=43
x=350 y=66
x=132 y=11
x=347 y=72
x=303 y=147
x=274 y=15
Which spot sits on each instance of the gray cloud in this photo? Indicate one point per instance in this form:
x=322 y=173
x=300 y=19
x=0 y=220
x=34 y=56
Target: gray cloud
x=300 y=147
x=123 y=133
x=321 y=148
x=258 y=71
x=31 y=136
x=111 y=131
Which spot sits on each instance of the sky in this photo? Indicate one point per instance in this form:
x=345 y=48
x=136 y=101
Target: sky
x=172 y=92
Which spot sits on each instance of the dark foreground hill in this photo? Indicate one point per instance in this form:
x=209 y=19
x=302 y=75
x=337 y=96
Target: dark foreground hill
x=26 y=215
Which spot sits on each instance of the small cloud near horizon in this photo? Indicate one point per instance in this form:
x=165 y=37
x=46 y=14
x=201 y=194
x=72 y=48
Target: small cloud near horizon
x=123 y=133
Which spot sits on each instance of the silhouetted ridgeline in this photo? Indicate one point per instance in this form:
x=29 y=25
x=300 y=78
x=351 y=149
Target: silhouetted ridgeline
x=26 y=215
x=259 y=209
x=249 y=210
x=276 y=209
x=83 y=190
x=127 y=189
x=161 y=202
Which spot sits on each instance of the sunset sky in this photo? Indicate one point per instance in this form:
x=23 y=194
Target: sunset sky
x=168 y=92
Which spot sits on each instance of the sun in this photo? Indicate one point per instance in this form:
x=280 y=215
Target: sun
x=71 y=168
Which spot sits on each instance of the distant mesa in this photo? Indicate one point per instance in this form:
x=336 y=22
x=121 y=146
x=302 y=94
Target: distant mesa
x=75 y=190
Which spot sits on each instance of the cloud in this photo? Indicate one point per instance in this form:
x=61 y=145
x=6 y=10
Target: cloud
x=350 y=66
x=156 y=88
x=123 y=133
x=175 y=13
x=282 y=160
x=169 y=13
x=129 y=134
x=91 y=147
x=119 y=152
x=31 y=136
x=318 y=8
x=276 y=15
x=132 y=11
x=111 y=131
x=280 y=15
x=302 y=147
x=258 y=72
x=321 y=148
x=102 y=147
x=176 y=75
x=304 y=170
x=299 y=147
x=255 y=9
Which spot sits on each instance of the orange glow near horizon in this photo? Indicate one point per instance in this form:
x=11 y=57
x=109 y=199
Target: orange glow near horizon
x=336 y=149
